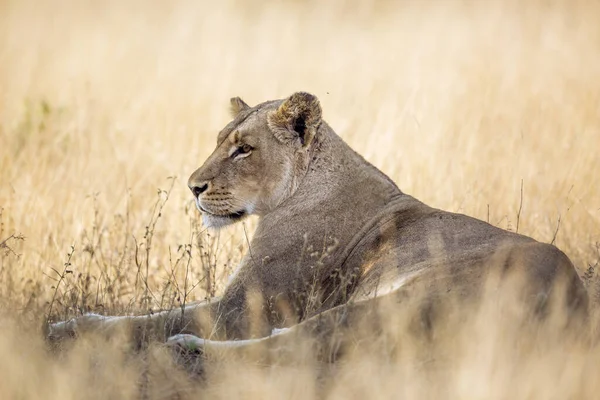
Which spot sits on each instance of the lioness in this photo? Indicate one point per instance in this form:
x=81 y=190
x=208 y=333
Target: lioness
x=335 y=235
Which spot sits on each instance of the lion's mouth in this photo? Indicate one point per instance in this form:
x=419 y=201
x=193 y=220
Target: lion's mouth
x=235 y=215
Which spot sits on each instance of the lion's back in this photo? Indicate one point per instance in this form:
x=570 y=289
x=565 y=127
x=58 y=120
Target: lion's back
x=457 y=254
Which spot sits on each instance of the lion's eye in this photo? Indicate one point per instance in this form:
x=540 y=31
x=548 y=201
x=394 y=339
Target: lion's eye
x=242 y=151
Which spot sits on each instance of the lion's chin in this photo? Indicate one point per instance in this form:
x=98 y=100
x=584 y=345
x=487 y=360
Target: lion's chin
x=219 y=221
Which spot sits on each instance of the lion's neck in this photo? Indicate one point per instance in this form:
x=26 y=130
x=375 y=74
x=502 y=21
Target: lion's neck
x=339 y=193
x=335 y=168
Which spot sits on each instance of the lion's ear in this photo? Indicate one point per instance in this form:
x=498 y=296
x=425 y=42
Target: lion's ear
x=297 y=119
x=237 y=105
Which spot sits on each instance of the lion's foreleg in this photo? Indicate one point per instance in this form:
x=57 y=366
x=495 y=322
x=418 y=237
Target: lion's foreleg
x=194 y=318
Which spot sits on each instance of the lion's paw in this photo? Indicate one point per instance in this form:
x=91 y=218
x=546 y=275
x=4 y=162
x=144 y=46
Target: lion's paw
x=188 y=352
x=59 y=331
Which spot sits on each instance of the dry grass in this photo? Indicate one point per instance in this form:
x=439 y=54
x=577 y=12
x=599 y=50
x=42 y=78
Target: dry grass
x=461 y=103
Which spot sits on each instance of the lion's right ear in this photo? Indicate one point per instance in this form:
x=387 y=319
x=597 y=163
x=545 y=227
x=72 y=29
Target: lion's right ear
x=297 y=119
x=237 y=106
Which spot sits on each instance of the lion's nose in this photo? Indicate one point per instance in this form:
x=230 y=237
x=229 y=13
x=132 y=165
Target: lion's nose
x=197 y=190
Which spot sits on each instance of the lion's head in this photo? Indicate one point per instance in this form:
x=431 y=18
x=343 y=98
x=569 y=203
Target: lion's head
x=259 y=160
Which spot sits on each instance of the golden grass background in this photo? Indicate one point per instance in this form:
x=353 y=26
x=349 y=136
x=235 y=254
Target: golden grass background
x=460 y=102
